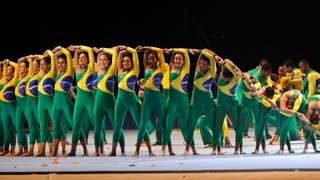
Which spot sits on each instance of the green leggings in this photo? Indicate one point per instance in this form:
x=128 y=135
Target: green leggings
x=44 y=114
x=226 y=104
x=82 y=113
x=152 y=102
x=126 y=101
x=261 y=123
x=178 y=107
x=104 y=106
x=63 y=114
x=33 y=120
x=1 y=130
x=200 y=102
x=8 y=120
x=284 y=130
x=20 y=121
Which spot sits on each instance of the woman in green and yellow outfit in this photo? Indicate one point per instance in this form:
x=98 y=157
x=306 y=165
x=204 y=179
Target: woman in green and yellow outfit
x=46 y=90
x=178 y=99
x=84 y=68
x=8 y=105
x=24 y=65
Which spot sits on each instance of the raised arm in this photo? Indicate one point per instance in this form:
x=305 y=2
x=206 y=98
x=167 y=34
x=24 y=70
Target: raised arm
x=135 y=59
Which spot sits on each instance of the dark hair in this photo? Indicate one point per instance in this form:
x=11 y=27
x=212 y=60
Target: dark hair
x=269 y=92
x=26 y=62
x=109 y=56
x=63 y=56
x=262 y=61
x=47 y=59
x=227 y=73
x=304 y=61
x=288 y=86
x=266 y=67
x=314 y=119
x=205 y=58
x=38 y=61
x=288 y=63
x=85 y=53
x=172 y=57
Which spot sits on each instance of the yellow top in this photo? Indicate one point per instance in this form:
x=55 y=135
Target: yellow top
x=204 y=83
x=106 y=84
x=181 y=82
x=7 y=92
x=64 y=83
x=154 y=81
x=46 y=84
x=128 y=82
x=86 y=83
x=20 y=89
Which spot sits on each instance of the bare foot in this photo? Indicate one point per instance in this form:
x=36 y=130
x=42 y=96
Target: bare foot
x=29 y=153
x=214 y=152
x=112 y=154
x=135 y=154
x=305 y=151
x=186 y=153
x=195 y=153
x=162 y=153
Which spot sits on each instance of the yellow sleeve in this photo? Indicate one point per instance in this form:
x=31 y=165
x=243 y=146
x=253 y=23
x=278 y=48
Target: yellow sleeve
x=160 y=56
x=114 y=54
x=165 y=80
x=269 y=81
x=231 y=69
x=106 y=84
x=90 y=52
x=225 y=127
x=311 y=79
x=30 y=72
x=213 y=66
x=186 y=66
x=16 y=74
x=297 y=72
x=52 y=72
x=136 y=67
x=70 y=68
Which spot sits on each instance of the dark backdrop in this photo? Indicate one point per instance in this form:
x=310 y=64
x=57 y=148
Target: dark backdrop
x=244 y=33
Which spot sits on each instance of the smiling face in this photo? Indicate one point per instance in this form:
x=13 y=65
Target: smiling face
x=303 y=67
x=103 y=62
x=23 y=68
x=152 y=60
x=9 y=72
x=35 y=67
x=178 y=60
x=204 y=65
x=44 y=65
x=83 y=59
x=127 y=63
x=315 y=117
x=62 y=65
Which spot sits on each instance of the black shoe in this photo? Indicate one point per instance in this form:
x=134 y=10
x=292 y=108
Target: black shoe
x=157 y=144
x=269 y=136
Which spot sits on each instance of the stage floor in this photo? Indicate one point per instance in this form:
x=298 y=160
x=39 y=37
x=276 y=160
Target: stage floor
x=203 y=163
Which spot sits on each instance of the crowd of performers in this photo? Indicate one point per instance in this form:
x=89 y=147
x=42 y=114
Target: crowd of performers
x=69 y=88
